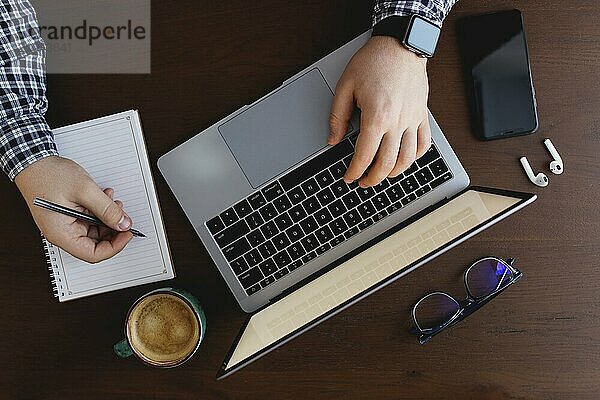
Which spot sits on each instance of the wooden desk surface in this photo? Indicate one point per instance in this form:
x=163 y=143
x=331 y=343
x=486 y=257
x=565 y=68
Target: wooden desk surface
x=538 y=340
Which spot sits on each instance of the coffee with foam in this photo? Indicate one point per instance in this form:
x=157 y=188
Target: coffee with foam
x=163 y=329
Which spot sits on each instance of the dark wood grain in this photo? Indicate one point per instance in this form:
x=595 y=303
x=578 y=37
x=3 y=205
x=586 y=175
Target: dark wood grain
x=539 y=340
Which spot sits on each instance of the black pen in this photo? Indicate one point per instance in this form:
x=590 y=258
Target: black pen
x=76 y=214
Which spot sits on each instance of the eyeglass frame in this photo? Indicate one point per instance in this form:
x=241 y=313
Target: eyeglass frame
x=465 y=307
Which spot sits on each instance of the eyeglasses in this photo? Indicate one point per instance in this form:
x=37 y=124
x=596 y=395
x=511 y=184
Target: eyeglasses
x=484 y=280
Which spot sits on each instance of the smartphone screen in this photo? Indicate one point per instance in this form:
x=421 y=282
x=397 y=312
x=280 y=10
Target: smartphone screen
x=494 y=52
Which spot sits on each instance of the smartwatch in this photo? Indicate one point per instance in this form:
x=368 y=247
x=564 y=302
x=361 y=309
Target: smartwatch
x=416 y=33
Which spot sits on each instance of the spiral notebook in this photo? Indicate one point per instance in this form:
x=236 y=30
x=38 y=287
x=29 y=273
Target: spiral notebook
x=113 y=152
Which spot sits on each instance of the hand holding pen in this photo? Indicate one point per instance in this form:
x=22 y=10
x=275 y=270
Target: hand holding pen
x=68 y=184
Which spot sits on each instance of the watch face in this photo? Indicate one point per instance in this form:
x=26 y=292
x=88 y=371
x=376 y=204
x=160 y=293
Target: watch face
x=423 y=36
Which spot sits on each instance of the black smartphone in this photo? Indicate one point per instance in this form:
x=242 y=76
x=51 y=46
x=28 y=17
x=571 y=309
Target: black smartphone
x=498 y=75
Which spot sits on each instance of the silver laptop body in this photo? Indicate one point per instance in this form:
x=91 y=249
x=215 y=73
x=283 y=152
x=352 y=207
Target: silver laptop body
x=264 y=141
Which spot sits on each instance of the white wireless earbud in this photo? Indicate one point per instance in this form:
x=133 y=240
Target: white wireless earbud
x=557 y=167
x=540 y=179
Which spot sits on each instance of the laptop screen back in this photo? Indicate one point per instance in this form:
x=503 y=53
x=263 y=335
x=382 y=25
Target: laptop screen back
x=386 y=260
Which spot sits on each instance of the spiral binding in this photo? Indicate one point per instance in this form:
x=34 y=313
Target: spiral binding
x=56 y=281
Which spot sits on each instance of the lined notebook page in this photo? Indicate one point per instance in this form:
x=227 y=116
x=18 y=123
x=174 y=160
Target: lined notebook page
x=112 y=151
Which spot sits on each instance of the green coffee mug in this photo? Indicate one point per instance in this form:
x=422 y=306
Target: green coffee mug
x=163 y=328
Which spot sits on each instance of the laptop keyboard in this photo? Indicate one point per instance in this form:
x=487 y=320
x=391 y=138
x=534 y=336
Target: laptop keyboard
x=310 y=210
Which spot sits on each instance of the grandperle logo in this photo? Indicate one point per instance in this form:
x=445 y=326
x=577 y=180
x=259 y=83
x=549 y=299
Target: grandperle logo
x=92 y=33
x=95 y=36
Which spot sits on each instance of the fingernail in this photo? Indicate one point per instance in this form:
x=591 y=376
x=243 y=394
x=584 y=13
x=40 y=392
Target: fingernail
x=330 y=138
x=125 y=223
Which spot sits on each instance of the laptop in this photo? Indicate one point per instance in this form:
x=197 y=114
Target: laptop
x=294 y=243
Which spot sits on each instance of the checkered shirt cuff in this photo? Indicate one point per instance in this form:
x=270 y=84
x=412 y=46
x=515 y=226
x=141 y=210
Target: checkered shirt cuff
x=432 y=10
x=23 y=141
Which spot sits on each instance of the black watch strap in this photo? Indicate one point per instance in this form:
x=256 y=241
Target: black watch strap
x=394 y=26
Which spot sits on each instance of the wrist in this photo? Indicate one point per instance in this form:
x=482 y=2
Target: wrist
x=28 y=178
x=48 y=177
x=392 y=45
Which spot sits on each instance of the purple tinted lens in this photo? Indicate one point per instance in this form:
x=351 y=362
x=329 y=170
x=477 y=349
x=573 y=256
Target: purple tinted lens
x=487 y=276
x=435 y=310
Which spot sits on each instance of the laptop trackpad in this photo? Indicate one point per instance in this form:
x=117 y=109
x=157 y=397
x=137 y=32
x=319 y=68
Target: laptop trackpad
x=282 y=129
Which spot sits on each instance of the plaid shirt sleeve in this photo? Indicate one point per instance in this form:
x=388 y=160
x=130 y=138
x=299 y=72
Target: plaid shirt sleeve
x=25 y=137
x=433 y=10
